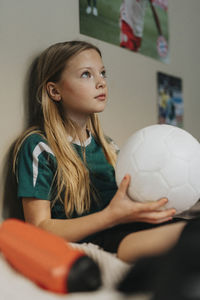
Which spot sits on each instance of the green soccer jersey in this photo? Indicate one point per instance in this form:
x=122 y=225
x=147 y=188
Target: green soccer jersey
x=37 y=167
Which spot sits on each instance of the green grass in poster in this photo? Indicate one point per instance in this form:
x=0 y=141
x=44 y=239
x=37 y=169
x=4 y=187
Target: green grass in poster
x=150 y=33
x=106 y=25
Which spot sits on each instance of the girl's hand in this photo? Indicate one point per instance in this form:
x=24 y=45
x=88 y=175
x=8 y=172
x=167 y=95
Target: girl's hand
x=124 y=210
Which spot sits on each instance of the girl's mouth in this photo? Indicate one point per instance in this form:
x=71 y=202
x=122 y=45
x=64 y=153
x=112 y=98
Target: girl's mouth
x=101 y=97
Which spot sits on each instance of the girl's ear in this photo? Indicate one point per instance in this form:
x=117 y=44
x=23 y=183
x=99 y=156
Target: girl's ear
x=53 y=92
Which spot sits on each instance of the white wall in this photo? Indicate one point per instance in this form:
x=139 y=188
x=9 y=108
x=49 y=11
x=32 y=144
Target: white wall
x=133 y=83
x=27 y=27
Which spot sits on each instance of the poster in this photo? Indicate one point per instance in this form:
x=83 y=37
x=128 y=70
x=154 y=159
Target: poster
x=140 y=26
x=170 y=100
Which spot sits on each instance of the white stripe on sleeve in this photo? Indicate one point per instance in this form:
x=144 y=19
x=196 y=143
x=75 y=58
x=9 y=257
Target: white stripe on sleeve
x=36 y=152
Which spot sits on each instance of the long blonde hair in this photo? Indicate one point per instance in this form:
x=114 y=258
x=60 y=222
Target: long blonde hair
x=72 y=176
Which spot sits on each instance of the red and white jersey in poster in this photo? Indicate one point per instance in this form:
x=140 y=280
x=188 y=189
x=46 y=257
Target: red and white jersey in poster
x=133 y=12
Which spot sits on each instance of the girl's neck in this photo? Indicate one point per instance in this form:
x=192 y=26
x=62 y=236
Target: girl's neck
x=81 y=132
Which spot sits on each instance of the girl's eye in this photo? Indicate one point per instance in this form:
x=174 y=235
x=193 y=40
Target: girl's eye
x=103 y=74
x=86 y=74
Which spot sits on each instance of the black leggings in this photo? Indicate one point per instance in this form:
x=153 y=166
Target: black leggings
x=94 y=3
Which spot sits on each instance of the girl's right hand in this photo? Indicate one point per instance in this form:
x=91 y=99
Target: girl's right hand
x=124 y=210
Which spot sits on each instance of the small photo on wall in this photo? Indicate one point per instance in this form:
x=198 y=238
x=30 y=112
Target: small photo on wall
x=140 y=26
x=170 y=100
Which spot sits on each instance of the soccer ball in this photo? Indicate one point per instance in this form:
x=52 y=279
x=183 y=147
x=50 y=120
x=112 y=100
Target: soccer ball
x=163 y=161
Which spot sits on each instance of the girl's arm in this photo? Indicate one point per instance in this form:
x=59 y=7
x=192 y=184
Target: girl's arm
x=38 y=212
x=120 y=210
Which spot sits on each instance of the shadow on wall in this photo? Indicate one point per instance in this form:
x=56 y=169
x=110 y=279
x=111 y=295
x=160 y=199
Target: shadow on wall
x=12 y=206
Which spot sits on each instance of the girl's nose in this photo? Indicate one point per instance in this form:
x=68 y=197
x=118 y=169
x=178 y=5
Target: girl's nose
x=101 y=83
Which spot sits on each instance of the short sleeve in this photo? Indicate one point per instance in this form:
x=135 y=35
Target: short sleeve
x=36 y=167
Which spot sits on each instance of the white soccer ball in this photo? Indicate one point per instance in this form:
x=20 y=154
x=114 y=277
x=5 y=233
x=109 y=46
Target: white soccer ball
x=163 y=161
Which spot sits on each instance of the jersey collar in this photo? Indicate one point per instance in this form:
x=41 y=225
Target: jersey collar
x=77 y=142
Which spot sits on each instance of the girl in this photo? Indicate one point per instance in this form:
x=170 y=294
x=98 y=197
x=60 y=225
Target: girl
x=65 y=164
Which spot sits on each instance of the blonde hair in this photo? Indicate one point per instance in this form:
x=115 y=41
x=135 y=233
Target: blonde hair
x=72 y=176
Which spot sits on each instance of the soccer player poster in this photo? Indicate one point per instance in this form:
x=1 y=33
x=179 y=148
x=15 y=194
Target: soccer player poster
x=170 y=100
x=137 y=25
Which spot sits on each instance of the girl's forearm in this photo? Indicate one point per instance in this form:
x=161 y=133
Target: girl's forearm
x=76 y=229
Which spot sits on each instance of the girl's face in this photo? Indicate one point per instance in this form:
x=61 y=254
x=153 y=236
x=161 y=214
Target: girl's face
x=82 y=87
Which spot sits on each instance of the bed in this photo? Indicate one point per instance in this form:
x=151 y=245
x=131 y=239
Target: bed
x=13 y=285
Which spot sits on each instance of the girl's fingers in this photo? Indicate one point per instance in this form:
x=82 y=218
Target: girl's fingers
x=162 y=220
x=124 y=184
x=153 y=221
x=158 y=216
x=154 y=205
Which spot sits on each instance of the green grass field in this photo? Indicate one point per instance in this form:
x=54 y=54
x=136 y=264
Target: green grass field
x=106 y=25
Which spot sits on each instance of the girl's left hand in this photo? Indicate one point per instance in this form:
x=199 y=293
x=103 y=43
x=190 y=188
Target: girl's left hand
x=124 y=210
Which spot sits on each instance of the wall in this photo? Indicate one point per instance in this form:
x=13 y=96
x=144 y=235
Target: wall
x=27 y=27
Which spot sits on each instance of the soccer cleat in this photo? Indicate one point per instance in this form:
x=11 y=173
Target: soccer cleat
x=174 y=275
x=88 y=10
x=95 y=11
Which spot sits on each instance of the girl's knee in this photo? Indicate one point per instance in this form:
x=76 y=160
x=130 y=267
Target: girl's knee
x=126 y=250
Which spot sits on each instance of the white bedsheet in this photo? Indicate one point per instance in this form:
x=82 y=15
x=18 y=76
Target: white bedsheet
x=14 y=286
